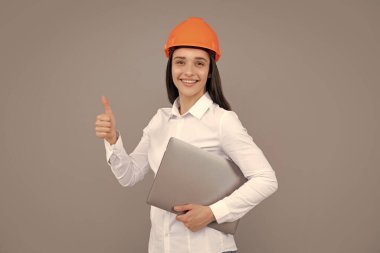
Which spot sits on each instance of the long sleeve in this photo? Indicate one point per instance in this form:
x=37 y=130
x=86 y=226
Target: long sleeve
x=128 y=169
x=262 y=182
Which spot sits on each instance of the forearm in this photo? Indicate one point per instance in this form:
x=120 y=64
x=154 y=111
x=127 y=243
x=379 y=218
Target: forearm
x=242 y=200
x=128 y=169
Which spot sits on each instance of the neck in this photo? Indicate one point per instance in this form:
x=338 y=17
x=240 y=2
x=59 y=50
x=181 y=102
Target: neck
x=185 y=103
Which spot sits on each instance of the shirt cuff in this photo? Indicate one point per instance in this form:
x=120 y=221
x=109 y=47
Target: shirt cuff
x=113 y=148
x=220 y=210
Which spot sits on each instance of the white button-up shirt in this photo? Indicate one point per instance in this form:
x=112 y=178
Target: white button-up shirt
x=212 y=128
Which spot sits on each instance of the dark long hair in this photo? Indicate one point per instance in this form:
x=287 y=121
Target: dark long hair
x=213 y=84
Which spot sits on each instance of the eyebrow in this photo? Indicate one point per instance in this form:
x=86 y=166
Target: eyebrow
x=196 y=58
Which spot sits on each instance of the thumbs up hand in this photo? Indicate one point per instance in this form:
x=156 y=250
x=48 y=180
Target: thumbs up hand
x=105 y=124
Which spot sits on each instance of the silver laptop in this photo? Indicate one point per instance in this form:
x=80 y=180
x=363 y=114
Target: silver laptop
x=188 y=174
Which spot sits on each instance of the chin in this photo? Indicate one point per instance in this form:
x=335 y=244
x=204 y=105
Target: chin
x=191 y=93
x=188 y=93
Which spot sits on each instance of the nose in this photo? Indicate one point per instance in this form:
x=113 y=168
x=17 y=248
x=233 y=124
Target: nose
x=189 y=71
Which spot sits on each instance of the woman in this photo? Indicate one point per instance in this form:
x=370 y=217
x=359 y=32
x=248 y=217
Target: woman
x=200 y=115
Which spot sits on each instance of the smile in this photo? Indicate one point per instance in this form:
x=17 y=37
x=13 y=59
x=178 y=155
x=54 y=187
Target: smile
x=188 y=82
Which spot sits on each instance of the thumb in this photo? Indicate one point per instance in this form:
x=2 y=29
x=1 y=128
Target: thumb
x=106 y=105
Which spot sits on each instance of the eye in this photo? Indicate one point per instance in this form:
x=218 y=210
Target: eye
x=179 y=62
x=200 y=64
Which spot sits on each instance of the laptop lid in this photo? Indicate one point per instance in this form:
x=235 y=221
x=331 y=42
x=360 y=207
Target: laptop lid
x=188 y=174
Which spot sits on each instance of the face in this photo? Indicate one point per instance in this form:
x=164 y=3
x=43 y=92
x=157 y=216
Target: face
x=190 y=68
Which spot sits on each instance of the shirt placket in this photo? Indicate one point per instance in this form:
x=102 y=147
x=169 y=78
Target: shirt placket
x=178 y=130
x=180 y=123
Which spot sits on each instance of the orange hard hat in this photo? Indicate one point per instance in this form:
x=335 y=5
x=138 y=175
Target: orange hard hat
x=193 y=32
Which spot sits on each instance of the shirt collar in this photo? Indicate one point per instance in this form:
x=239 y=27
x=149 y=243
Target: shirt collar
x=197 y=110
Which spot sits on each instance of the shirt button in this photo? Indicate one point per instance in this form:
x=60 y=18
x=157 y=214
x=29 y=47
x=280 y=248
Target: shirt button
x=166 y=234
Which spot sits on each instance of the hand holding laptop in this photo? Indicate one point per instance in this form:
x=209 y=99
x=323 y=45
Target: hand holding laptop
x=195 y=217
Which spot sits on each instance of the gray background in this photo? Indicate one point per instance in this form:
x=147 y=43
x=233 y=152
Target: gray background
x=303 y=76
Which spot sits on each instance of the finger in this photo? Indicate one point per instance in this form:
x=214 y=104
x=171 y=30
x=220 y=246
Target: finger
x=102 y=123
x=181 y=217
x=103 y=129
x=103 y=117
x=101 y=135
x=183 y=208
x=106 y=105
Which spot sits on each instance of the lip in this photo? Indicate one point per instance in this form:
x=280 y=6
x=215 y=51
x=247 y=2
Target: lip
x=189 y=84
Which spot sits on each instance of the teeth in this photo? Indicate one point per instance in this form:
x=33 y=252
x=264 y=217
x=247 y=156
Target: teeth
x=189 y=81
